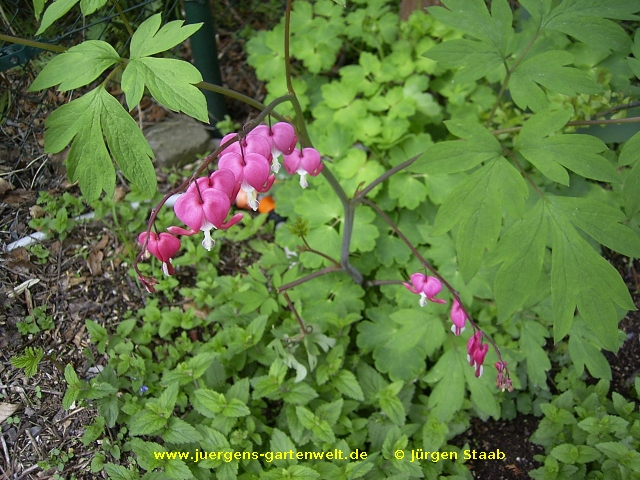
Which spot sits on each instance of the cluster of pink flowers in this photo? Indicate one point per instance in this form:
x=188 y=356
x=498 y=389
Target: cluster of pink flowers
x=245 y=165
x=428 y=288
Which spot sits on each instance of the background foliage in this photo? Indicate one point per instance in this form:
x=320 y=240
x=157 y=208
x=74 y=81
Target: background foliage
x=508 y=201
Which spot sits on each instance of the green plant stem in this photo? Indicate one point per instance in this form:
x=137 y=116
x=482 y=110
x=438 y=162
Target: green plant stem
x=362 y=193
x=503 y=87
x=317 y=252
x=306 y=278
x=305 y=141
x=577 y=123
x=435 y=273
x=237 y=96
x=33 y=43
x=287 y=55
x=123 y=17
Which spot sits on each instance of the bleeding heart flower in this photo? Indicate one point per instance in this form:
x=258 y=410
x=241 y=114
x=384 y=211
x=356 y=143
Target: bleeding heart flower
x=458 y=317
x=472 y=345
x=163 y=247
x=303 y=162
x=251 y=172
x=204 y=210
x=426 y=287
x=249 y=144
x=478 y=358
x=281 y=138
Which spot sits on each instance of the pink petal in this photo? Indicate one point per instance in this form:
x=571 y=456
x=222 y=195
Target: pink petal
x=216 y=206
x=257 y=170
x=152 y=244
x=267 y=185
x=188 y=209
x=181 y=231
x=258 y=144
x=232 y=221
x=311 y=161
x=168 y=246
x=418 y=280
x=292 y=162
x=233 y=148
x=224 y=179
x=458 y=317
x=234 y=163
x=284 y=137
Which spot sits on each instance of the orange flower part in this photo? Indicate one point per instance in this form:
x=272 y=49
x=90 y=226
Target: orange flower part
x=267 y=204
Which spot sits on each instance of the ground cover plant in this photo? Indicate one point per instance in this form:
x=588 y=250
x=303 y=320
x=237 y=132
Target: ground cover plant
x=445 y=227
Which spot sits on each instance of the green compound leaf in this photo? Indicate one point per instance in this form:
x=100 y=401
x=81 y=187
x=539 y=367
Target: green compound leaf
x=89 y=162
x=585 y=20
x=409 y=191
x=482 y=390
x=479 y=146
x=601 y=222
x=400 y=341
x=148 y=40
x=89 y=6
x=580 y=277
x=127 y=144
x=78 y=66
x=631 y=191
x=473 y=18
x=448 y=393
x=476 y=205
x=474 y=59
x=585 y=349
x=538 y=9
x=364 y=232
x=521 y=251
x=56 y=10
x=38 y=6
x=338 y=94
x=630 y=153
x=390 y=249
x=532 y=339
x=170 y=81
x=548 y=70
x=550 y=154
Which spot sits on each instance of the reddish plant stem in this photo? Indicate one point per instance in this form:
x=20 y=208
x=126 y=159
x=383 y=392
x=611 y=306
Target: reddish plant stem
x=435 y=273
x=304 y=329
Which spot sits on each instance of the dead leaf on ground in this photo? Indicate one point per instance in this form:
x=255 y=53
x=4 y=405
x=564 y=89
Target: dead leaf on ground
x=94 y=262
x=36 y=211
x=18 y=197
x=7 y=409
x=4 y=186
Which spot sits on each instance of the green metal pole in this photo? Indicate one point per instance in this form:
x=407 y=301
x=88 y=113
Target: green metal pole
x=205 y=54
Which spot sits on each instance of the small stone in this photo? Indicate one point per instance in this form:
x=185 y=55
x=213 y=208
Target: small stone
x=177 y=141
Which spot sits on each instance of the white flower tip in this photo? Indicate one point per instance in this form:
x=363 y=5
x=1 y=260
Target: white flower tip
x=423 y=299
x=165 y=268
x=303 y=180
x=208 y=242
x=275 y=164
